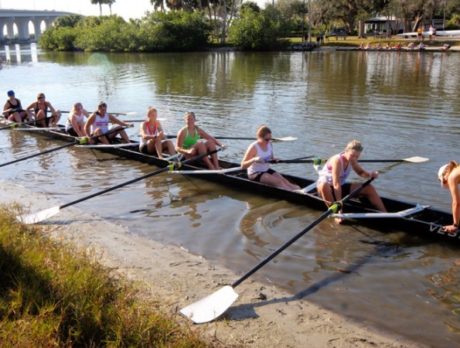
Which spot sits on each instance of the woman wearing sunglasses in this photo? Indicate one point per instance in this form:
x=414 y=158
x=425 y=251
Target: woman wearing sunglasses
x=40 y=110
x=256 y=161
x=449 y=175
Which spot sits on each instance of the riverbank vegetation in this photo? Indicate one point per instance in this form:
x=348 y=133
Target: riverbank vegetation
x=52 y=297
x=180 y=25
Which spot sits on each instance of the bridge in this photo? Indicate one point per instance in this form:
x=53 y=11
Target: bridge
x=21 y=19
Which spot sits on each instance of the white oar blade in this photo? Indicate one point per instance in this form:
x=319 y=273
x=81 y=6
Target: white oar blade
x=416 y=159
x=285 y=139
x=210 y=307
x=30 y=219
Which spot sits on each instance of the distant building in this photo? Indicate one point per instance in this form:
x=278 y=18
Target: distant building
x=383 y=26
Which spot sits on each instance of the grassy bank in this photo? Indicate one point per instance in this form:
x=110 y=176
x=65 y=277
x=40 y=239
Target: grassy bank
x=51 y=296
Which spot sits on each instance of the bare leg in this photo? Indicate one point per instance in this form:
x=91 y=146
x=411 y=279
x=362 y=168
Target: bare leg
x=102 y=139
x=168 y=146
x=273 y=180
x=210 y=146
x=371 y=194
x=40 y=118
x=124 y=136
x=290 y=186
x=151 y=146
x=201 y=149
x=55 y=118
x=325 y=190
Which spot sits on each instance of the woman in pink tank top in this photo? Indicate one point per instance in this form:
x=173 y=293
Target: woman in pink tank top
x=331 y=182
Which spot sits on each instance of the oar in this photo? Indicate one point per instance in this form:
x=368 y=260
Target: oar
x=214 y=305
x=47 y=213
x=143 y=120
x=318 y=161
x=78 y=141
x=15 y=124
x=129 y=113
x=289 y=138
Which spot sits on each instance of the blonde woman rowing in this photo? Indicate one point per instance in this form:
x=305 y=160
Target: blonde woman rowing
x=449 y=175
x=193 y=141
x=256 y=161
x=152 y=136
x=332 y=184
x=75 y=124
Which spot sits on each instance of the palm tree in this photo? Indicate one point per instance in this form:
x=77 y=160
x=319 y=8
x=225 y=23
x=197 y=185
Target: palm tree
x=158 y=4
x=96 y=2
x=110 y=2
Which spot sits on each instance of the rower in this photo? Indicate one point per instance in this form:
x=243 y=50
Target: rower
x=98 y=124
x=332 y=184
x=193 y=141
x=153 y=140
x=449 y=176
x=256 y=160
x=39 y=109
x=75 y=124
x=12 y=110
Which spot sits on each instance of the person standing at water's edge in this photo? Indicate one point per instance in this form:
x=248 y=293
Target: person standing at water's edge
x=98 y=124
x=332 y=184
x=256 y=161
x=193 y=141
x=449 y=176
x=152 y=136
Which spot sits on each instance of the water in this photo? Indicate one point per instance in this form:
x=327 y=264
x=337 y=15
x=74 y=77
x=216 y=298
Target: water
x=398 y=104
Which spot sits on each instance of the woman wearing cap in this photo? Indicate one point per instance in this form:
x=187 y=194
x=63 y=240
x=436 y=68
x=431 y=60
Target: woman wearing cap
x=13 y=110
x=152 y=136
x=193 y=141
x=256 y=161
x=75 y=124
x=449 y=175
x=98 y=124
x=40 y=110
x=332 y=184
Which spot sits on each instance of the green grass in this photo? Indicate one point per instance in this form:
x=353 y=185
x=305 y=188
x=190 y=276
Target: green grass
x=354 y=41
x=51 y=296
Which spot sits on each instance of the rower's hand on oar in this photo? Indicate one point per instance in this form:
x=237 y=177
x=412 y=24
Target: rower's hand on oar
x=451 y=229
x=374 y=174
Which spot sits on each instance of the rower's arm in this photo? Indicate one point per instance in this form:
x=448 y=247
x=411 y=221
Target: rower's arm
x=361 y=171
x=115 y=120
x=453 y=181
x=336 y=169
x=206 y=136
x=53 y=110
x=89 y=123
x=250 y=157
x=6 y=108
x=144 y=134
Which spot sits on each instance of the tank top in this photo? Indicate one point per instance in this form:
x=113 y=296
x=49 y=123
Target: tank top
x=325 y=174
x=101 y=122
x=266 y=155
x=18 y=106
x=81 y=119
x=190 y=140
x=149 y=130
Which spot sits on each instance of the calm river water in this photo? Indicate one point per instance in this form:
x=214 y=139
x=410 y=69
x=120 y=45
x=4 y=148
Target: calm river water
x=397 y=104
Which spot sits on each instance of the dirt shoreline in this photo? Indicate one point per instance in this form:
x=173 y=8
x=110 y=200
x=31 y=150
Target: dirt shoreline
x=263 y=316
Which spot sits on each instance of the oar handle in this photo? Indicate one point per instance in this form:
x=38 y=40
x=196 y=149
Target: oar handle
x=334 y=208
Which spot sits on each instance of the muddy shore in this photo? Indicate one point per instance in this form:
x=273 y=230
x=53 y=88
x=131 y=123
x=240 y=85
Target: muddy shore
x=263 y=316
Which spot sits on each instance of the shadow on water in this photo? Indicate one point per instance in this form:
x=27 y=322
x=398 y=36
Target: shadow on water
x=248 y=311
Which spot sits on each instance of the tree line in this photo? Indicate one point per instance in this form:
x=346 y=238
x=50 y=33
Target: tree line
x=184 y=25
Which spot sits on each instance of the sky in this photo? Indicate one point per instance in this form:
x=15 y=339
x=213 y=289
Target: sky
x=125 y=8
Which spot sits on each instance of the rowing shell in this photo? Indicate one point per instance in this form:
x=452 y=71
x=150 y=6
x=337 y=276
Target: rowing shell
x=427 y=222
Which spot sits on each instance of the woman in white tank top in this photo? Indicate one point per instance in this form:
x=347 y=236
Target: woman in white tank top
x=256 y=161
x=75 y=124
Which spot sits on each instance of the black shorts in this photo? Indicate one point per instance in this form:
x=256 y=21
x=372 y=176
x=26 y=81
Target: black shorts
x=258 y=176
x=346 y=189
x=143 y=148
x=72 y=132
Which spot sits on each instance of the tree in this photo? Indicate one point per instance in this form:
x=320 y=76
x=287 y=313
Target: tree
x=103 y=2
x=158 y=4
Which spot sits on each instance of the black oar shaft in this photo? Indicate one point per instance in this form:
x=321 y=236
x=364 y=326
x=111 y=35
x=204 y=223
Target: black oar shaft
x=156 y=172
x=37 y=154
x=332 y=209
